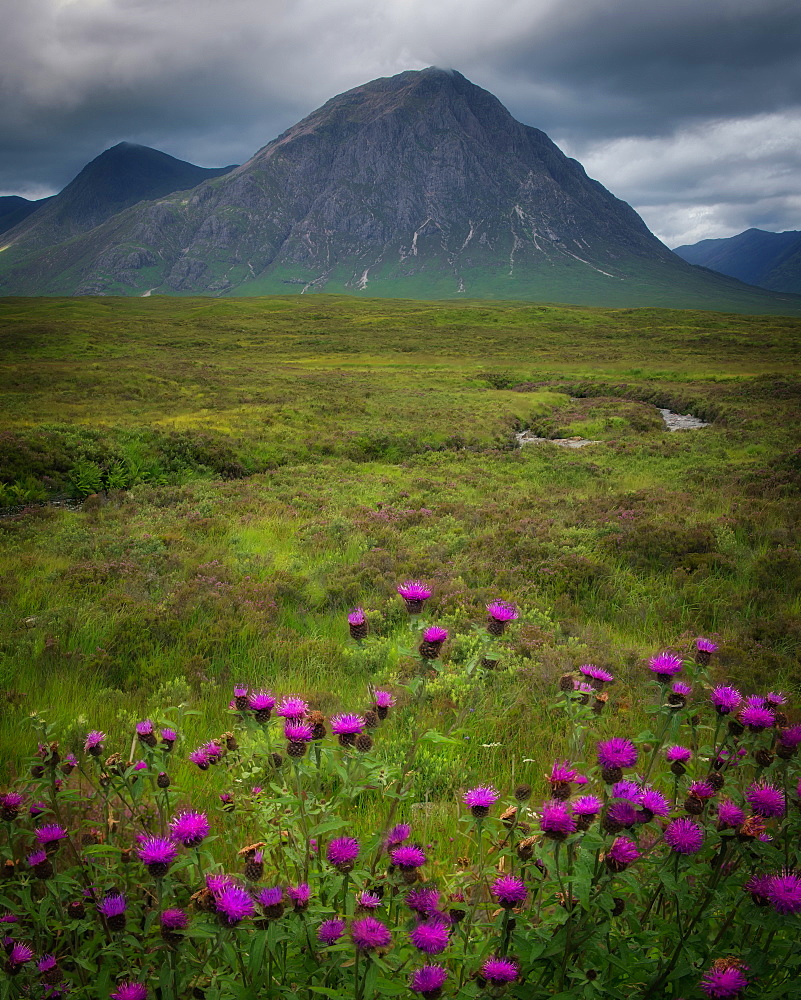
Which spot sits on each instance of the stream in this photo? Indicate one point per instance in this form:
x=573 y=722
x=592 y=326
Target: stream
x=673 y=422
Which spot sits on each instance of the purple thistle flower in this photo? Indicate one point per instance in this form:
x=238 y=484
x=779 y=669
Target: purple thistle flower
x=347 y=725
x=93 y=744
x=129 y=991
x=234 y=905
x=435 y=634
x=397 y=835
x=189 y=828
x=342 y=853
x=701 y=790
x=765 y=799
x=356 y=617
x=620 y=814
x=783 y=891
x=19 y=955
x=724 y=980
x=730 y=816
x=775 y=698
x=725 y=699
x=300 y=895
x=430 y=936
x=510 y=891
x=677 y=754
x=502 y=611
x=790 y=738
x=757 y=887
x=174 y=919
x=271 y=896
x=292 y=707
x=368 y=900
x=368 y=933
x=621 y=854
x=50 y=835
x=298 y=732
x=423 y=901
x=261 y=701
x=10 y=804
x=587 y=805
x=756 y=717
x=583 y=688
x=556 y=820
x=428 y=980
x=480 y=799
x=414 y=590
x=144 y=728
x=596 y=673
x=681 y=689
x=168 y=737
x=562 y=773
x=330 y=931
x=37 y=857
x=665 y=665
x=500 y=970
x=654 y=802
x=684 y=836
x=617 y=752
x=201 y=758
x=47 y=963
x=157 y=853
x=383 y=699
x=112 y=905
x=705 y=645
x=408 y=857
x=627 y=790
x=217 y=882
x=140 y=765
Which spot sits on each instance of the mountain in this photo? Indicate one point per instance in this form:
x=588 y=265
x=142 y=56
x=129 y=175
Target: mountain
x=770 y=260
x=120 y=177
x=14 y=210
x=420 y=185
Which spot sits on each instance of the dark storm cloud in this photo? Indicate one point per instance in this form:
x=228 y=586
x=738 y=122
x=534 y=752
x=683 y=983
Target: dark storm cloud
x=629 y=88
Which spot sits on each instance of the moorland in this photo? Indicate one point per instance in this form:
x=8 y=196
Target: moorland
x=249 y=470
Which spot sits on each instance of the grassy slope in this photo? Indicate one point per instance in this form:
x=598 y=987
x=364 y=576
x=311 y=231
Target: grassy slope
x=381 y=436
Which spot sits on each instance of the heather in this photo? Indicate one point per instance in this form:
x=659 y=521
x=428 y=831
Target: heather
x=316 y=510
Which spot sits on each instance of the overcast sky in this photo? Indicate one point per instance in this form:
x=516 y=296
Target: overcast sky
x=690 y=110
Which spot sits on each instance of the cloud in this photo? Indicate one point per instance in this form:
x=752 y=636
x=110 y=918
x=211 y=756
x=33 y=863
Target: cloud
x=212 y=81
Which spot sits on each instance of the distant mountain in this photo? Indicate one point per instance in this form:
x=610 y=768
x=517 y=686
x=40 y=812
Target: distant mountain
x=120 y=177
x=14 y=210
x=420 y=185
x=758 y=257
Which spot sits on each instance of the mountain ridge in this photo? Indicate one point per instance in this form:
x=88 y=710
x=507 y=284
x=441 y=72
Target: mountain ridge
x=420 y=185
x=756 y=256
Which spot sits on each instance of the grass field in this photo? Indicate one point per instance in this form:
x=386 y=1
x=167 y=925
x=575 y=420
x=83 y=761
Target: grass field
x=259 y=466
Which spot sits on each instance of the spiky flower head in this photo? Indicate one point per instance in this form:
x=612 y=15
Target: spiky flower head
x=428 y=980
x=367 y=900
x=626 y=790
x=725 y=699
x=783 y=891
x=790 y=737
x=510 y=891
x=174 y=919
x=300 y=895
x=684 y=836
x=10 y=804
x=620 y=814
x=681 y=689
x=775 y=698
x=50 y=835
x=189 y=828
x=298 y=732
x=93 y=744
x=653 y=803
x=367 y=933
x=397 y=835
x=261 y=701
x=157 y=853
x=414 y=590
x=112 y=905
x=480 y=799
x=342 y=853
x=431 y=936
x=725 y=980
x=756 y=716
x=423 y=901
x=435 y=634
x=502 y=611
x=765 y=799
x=665 y=665
x=127 y=990
x=292 y=707
x=144 y=728
x=587 y=805
x=621 y=854
x=19 y=955
x=347 y=725
x=705 y=645
x=617 y=752
x=702 y=789
x=408 y=857
x=499 y=971
x=597 y=674
x=47 y=964
x=330 y=931
x=201 y=758
x=356 y=617
x=730 y=816
x=556 y=820
x=383 y=699
x=233 y=905
x=678 y=754
x=561 y=772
